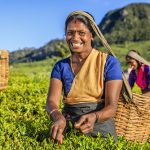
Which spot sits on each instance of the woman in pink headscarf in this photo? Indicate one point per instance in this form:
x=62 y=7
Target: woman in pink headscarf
x=140 y=73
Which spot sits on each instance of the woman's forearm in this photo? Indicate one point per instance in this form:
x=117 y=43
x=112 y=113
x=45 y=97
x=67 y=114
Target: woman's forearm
x=107 y=112
x=51 y=106
x=53 y=111
x=56 y=115
x=147 y=93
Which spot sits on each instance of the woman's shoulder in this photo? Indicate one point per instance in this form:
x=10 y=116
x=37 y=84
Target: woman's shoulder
x=113 y=69
x=146 y=68
x=112 y=59
x=59 y=67
x=109 y=58
x=62 y=62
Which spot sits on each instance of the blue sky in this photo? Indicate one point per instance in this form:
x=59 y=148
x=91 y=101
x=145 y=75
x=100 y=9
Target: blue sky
x=33 y=23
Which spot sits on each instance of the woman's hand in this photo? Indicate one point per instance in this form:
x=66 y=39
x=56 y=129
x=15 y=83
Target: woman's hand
x=147 y=93
x=57 y=130
x=86 y=123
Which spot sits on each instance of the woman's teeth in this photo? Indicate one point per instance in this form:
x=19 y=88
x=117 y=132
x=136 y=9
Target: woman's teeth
x=75 y=44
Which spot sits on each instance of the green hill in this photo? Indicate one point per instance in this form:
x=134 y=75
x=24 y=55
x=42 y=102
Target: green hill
x=55 y=47
x=130 y=23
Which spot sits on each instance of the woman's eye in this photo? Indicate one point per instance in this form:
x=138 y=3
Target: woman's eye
x=72 y=33
x=69 y=33
x=82 y=33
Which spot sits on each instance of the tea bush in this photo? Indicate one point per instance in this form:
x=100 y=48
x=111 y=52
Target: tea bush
x=24 y=123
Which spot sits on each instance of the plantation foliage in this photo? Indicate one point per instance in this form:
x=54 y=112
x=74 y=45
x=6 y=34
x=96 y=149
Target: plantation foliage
x=24 y=123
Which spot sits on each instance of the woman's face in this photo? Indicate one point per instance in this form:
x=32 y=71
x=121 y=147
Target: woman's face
x=132 y=63
x=78 y=37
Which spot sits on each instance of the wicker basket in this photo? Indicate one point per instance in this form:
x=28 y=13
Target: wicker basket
x=133 y=118
x=4 y=69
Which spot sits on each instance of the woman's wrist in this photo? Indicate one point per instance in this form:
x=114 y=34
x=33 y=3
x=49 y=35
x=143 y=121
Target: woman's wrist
x=55 y=115
x=97 y=117
x=52 y=111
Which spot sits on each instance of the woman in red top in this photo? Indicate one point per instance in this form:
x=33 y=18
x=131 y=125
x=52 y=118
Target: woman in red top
x=140 y=73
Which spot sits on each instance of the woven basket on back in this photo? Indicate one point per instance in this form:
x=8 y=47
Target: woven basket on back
x=4 y=69
x=133 y=118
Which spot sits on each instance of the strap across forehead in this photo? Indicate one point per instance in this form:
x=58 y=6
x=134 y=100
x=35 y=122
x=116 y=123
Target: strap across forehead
x=81 y=13
x=137 y=57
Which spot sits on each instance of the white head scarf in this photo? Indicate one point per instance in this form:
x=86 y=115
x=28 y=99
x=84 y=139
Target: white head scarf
x=137 y=57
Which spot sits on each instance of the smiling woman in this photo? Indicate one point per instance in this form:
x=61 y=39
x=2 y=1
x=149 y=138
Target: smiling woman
x=78 y=37
x=79 y=40
x=91 y=81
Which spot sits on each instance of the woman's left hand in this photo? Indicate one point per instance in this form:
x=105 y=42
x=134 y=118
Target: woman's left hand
x=86 y=123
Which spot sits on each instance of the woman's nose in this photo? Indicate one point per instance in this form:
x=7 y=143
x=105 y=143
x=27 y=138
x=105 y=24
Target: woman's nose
x=76 y=35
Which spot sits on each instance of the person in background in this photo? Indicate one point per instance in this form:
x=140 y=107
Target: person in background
x=140 y=71
x=84 y=77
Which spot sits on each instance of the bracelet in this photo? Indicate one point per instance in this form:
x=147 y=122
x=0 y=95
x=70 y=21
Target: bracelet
x=97 y=117
x=53 y=111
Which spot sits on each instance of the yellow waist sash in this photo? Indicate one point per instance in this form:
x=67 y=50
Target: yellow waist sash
x=88 y=85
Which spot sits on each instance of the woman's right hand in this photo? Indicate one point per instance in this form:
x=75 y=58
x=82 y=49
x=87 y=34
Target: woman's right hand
x=57 y=129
